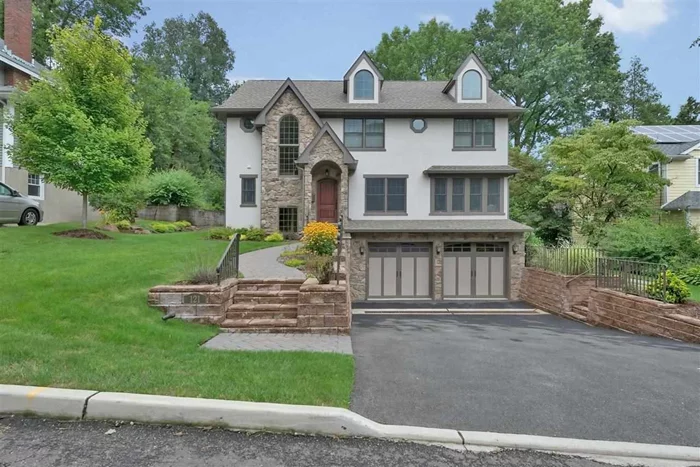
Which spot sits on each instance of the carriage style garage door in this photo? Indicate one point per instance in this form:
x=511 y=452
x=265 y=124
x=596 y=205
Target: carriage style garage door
x=475 y=270
x=399 y=270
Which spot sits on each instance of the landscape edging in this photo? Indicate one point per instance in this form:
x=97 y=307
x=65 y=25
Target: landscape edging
x=333 y=421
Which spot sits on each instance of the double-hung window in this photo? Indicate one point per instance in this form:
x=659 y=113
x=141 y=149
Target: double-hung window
x=288 y=145
x=385 y=194
x=248 y=190
x=474 y=133
x=364 y=133
x=467 y=195
x=35 y=186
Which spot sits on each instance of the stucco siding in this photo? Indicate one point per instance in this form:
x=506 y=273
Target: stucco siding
x=683 y=176
x=243 y=157
x=363 y=65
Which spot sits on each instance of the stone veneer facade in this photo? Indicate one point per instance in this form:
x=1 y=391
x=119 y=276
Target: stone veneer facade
x=357 y=263
x=325 y=155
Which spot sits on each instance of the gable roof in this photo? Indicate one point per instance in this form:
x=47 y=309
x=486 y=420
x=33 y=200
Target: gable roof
x=688 y=200
x=6 y=56
x=397 y=98
x=327 y=130
x=455 y=77
x=288 y=84
x=677 y=151
x=364 y=55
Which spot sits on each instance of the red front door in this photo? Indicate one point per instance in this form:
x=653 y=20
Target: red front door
x=327 y=201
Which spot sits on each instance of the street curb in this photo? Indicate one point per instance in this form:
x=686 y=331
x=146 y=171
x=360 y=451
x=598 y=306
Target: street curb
x=330 y=421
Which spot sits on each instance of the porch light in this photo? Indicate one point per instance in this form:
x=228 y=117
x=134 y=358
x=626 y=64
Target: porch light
x=515 y=248
x=327 y=173
x=362 y=250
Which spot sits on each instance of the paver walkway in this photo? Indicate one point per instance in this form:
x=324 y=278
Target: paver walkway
x=263 y=264
x=282 y=342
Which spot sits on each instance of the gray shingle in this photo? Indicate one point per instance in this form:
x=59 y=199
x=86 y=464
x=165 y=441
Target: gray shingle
x=395 y=95
x=438 y=225
x=471 y=169
x=675 y=149
x=688 y=200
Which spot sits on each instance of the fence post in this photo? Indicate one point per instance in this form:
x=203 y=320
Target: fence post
x=665 y=283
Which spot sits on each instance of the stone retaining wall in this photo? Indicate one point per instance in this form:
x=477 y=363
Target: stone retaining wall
x=554 y=293
x=324 y=307
x=205 y=304
x=640 y=315
x=172 y=213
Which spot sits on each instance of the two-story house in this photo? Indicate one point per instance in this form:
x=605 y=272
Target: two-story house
x=681 y=144
x=418 y=171
x=17 y=66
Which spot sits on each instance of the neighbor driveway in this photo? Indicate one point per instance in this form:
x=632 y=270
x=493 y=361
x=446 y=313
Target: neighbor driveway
x=539 y=374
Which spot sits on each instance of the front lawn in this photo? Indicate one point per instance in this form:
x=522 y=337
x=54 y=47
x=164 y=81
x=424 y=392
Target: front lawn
x=73 y=314
x=694 y=292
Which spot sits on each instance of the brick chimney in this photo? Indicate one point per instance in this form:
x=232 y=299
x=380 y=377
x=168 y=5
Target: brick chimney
x=18 y=28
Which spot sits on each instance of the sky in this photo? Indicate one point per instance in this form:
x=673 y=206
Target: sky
x=320 y=39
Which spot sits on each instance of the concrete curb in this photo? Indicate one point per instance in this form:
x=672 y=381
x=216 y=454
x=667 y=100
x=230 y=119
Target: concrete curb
x=92 y=405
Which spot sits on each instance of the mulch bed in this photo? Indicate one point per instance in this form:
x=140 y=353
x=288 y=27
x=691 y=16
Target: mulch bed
x=83 y=233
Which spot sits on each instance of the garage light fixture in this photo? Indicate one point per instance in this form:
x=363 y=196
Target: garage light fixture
x=362 y=250
x=515 y=248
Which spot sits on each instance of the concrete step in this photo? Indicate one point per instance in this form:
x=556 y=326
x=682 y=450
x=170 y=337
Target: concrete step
x=262 y=323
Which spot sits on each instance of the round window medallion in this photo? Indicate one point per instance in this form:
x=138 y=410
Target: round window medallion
x=247 y=124
x=418 y=125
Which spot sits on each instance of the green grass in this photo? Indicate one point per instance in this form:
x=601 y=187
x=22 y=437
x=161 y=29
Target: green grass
x=694 y=292
x=73 y=314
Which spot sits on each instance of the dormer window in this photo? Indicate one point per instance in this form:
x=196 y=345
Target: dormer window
x=364 y=85
x=471 y=85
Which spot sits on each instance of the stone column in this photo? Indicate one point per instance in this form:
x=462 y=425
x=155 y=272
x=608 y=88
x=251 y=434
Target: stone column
x=438 y=245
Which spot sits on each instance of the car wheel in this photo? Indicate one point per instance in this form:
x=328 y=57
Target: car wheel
x=29 y=217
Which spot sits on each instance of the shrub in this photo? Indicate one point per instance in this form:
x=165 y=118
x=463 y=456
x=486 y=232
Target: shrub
x=275 y=237
x=200 y=268
x=122 y=203
x=173 y=187
x=676 y=290
x=203 y=275
x=320 y=237
x=182 y=225
x=220 y=233
x=243 y=237
x=320 y=267
x=214 y=191
x=690 y=275
x=163 y=227
x=295 y=262
x=123 y=225
x=255 y=234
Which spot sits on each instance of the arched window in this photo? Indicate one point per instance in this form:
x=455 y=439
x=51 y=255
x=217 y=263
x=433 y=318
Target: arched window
x=471 y=85
x=364 y=85
x=289 y=145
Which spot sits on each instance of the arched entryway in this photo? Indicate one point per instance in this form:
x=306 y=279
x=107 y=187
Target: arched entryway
x=327 y=200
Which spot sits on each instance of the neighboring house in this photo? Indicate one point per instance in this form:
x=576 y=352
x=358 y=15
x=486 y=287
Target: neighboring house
x=681 y=144
x=417 y=170
x=17 y=66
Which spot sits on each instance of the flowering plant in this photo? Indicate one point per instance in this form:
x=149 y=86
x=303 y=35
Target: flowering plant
x=320 y=238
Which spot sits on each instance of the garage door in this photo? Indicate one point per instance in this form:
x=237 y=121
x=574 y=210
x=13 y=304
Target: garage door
x=474 y=270
x=398 y=270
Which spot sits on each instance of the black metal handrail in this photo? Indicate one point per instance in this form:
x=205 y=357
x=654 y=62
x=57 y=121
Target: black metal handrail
x=633 y=277
x=228 y=264
x=570 y=261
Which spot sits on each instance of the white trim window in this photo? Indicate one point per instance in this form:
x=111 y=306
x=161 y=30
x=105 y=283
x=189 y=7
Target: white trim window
x=35 y=186
x=471 y=85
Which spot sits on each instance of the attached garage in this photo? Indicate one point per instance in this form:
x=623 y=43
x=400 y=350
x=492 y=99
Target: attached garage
x=475 y=270
x=399 y=270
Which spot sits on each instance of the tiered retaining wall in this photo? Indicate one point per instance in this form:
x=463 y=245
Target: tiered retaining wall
x=554 y=293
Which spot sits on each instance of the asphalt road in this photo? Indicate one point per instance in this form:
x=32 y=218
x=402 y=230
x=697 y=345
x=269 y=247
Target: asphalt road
x=541 y=375
x=34 y=442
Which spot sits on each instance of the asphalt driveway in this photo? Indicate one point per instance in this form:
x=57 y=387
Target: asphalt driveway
x=537 y=374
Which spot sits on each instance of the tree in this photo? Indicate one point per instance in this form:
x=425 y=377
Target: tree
x=78 y=127
x=195 y=51
x=433 y=52
x=179 y=127
x=551 y=58
x=641 y=100
x=602 y=174
x=118 y=18
x=689 y=113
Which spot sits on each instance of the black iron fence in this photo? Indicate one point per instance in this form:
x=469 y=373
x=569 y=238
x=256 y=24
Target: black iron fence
x=633 y=277
x=228 y=264
x=570 y=261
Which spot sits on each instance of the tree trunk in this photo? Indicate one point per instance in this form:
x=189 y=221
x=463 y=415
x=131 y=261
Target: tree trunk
x=85 y=209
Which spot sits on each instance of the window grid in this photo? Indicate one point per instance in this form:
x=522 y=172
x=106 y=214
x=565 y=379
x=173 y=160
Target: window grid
x=34 y=185
x=385 y=195
x=474 y=133
x=288 y=145
x=288 y=220
x=364 y=85
x=475 y=195
x=364 y=133
x=248 y=191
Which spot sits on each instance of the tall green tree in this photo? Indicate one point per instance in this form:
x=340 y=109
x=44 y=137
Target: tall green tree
x=551 y=58
x=433 y=52
x=193 y=50
x=179 y=127
x=641 y=100
x=79 y=127
x=689 y=113
x=602 y=174
x=118 y=18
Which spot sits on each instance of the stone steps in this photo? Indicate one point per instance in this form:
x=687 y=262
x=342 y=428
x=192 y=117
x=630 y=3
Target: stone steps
x=265 y=300
x=258 y=323
x=257 y=287
x=578 y=313
x=239 y=311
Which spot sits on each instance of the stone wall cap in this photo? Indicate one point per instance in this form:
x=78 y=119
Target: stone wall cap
x=186 y=288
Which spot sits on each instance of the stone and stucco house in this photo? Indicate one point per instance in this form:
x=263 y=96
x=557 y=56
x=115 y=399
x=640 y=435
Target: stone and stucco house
x=17 y=66
x=681 y=144
x=417 y=171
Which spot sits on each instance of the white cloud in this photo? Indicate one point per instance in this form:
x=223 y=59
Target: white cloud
x=631 y=16
x=440 y=18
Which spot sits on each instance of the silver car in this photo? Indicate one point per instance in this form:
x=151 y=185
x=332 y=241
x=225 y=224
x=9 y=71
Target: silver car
x=16 y=208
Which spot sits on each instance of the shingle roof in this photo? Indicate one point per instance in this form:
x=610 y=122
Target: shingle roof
x=13 y=60
x=326 y=129
x=676 y=149
x=470 y=169
x=439 y=225
x=688 y=200
x=398 y=96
